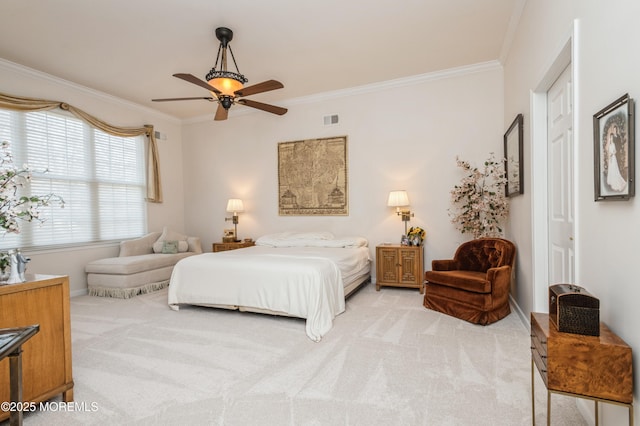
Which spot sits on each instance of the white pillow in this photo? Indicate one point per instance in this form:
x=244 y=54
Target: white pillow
x=301 y=240
x=296 y=238
x=349 y=242
x=322 y=235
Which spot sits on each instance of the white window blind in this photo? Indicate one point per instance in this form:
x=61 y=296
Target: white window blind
x=100 y=177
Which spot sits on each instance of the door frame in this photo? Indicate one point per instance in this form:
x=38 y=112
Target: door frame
x=566 y=56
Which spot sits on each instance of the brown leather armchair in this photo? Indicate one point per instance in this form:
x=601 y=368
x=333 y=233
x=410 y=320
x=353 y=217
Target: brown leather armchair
x=474 y=285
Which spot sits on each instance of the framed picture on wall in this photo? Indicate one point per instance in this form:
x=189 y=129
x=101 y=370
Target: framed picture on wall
x=312 y=177
x=513 y=158
x=229 y=236
x=614 y=150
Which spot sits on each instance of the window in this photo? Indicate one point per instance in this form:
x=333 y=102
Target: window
x=100 y=177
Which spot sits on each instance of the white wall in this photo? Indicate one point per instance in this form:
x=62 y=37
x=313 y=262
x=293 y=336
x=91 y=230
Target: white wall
x=399 y=137
x=607 y=67
x=20 y=81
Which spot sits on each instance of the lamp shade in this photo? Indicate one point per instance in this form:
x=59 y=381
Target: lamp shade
x=225 y=85
x=398 y=199
x=234 y=205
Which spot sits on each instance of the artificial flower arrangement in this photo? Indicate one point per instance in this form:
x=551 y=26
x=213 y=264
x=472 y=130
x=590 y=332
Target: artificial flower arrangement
x=479 y=202
x=416 y=235
x=15 y=207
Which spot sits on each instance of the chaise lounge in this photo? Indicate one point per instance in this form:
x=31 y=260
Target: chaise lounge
x=143 y=265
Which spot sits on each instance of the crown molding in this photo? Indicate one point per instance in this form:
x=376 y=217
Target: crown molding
x=514 y=21
x=399 y=82
x=21 y=69
x=319 y=97
x=370 y=88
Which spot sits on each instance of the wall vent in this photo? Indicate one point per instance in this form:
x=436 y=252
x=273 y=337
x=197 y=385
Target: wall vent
x=330 y=120
x=160 y=136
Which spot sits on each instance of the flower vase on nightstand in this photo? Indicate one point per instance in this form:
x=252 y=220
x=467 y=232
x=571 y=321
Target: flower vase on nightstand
x=416 y=236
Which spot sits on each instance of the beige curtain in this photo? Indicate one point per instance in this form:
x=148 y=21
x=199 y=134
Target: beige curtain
x=154 y=189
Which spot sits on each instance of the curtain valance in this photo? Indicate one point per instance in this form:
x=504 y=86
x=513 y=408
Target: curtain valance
x=154 y=188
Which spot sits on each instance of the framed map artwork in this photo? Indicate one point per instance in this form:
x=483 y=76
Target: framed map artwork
x=312 y=177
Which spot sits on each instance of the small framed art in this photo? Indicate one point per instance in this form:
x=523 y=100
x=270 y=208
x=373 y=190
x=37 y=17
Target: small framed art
x=229 y=236
x=513 y=158
x=614 y=150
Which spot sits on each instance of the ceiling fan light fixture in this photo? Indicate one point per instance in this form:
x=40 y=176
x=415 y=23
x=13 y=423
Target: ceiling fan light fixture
x=227 y=87
x=226 y=82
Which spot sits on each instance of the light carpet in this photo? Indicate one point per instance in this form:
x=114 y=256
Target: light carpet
x=387 y=361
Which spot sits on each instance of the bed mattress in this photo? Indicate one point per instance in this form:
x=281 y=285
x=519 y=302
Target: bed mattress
x=305 y=282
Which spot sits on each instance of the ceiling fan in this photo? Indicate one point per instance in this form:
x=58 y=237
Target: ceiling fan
x=227 y=87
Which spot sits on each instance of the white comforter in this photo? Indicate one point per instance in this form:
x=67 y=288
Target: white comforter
x=305 y=282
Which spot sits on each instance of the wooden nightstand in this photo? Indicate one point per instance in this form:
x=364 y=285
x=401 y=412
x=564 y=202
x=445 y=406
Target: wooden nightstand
x=232 y=246
x=399 y=266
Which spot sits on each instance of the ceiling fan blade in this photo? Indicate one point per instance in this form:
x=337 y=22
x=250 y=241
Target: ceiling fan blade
x=221 y=113
x=195 y=80
x=210 y=99
x=265 y=86
x=264 y=107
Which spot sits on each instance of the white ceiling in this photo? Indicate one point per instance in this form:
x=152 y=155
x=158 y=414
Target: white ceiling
x=131 y=48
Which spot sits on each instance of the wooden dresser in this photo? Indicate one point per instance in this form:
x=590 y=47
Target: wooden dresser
x=399 y=266
x=595 y=367
x=46 y=357
x=231 y=246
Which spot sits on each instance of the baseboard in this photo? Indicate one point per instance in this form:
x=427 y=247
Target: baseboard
x=81 y=292
x=518 y=311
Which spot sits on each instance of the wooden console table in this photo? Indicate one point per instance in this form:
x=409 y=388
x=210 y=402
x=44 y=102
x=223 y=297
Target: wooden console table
x=46 y=360
x=598 y=368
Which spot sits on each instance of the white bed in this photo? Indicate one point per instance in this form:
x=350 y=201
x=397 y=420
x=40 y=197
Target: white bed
x=301 y=275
